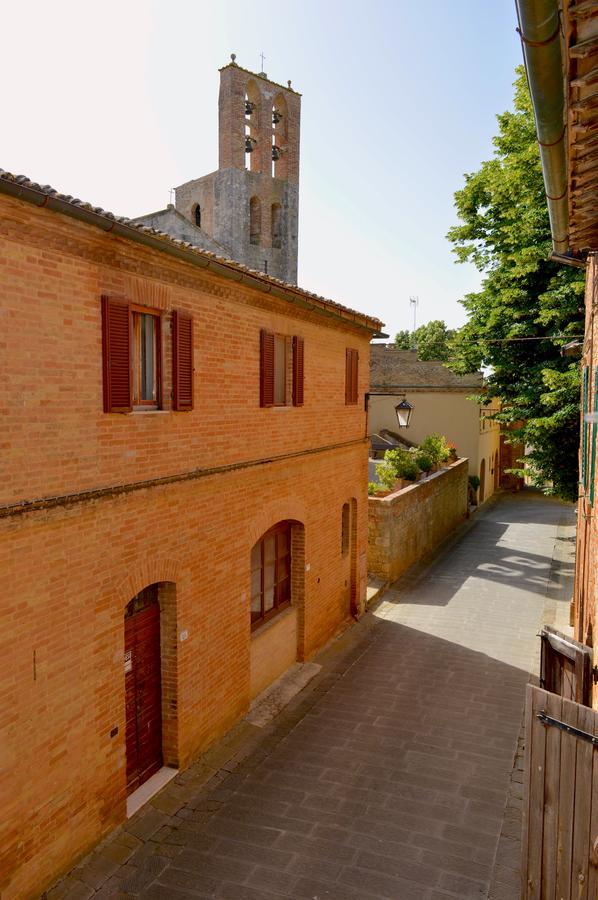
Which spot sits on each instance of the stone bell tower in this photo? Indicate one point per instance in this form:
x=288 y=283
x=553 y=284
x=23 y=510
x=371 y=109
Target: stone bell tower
x=250 y=205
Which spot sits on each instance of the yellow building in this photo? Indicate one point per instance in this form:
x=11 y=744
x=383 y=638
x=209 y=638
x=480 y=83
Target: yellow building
x=440 y=401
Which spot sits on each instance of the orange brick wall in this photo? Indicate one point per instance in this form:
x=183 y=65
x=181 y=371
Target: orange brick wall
x=586 y=571
x=69 y=571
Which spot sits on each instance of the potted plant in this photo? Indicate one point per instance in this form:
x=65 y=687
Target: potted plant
x=425 y=462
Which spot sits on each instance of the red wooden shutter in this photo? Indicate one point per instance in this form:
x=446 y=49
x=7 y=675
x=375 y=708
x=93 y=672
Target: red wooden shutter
x=351 y=376
x=355 y=377
x=347 y=376
x=116 y=354
x=267 y=368
x=182 y=361
x=298 y=355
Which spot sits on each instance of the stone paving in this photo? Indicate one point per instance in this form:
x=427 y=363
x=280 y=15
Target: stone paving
x=396 y=772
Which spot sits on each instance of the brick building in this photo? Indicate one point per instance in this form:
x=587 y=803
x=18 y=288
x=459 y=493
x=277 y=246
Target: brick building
x=250 y=205
x=560 y=43
x=183 y=509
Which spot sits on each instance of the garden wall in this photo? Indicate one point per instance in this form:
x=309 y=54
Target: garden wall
x=407 y=525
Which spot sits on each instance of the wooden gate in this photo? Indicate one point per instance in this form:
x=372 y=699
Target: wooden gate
x=560 y=807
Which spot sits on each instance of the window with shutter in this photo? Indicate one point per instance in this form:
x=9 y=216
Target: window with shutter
x=267 y=369
x=182 y=361
x=116 y=353
x=146 y=357
x=298 y=367
x=351 y=376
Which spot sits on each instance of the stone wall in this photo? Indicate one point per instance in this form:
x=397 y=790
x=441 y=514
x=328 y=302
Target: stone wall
x=407 y=525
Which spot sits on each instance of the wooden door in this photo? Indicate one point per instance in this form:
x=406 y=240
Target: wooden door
x=560 y=806
x=143 y=694
x=566 y=666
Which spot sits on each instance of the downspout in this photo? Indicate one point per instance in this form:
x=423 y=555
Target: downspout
x=540 y=31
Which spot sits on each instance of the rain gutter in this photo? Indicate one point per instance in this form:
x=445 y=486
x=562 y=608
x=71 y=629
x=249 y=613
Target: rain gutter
x=540 y=32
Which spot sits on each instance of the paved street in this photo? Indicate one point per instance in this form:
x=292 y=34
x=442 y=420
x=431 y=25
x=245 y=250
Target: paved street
x=387 y=777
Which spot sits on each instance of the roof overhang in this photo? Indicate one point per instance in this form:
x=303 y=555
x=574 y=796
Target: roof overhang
x=560 y=49
x=44 y=196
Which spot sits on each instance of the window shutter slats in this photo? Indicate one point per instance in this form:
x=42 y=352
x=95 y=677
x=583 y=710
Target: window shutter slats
x=298 y=370
x=182 y=361
x=266 y=368
x=116 y=354
x=351 y=376
x=347 y=376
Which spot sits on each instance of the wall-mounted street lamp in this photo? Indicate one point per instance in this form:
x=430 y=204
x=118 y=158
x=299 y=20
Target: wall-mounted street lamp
x=403 y=410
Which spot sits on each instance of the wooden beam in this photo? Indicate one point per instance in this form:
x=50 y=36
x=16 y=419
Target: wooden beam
x=589 y=78
x=582 y=9
x=581 y=105
x=584 y=48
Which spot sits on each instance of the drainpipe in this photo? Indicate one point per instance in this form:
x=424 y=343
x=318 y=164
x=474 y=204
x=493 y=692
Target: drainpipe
x=540 y=31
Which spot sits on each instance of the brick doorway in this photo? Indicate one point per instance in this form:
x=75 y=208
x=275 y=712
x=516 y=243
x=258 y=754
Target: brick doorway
x=150 y=683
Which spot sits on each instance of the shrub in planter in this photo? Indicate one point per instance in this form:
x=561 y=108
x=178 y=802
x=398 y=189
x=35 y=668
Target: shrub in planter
x=386 y=475
x=410 y=470
x=375 y=488
x=436 y=447
x=425 y=462
x=474 y=481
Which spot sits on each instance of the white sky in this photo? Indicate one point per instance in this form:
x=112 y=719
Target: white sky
x=118 y=102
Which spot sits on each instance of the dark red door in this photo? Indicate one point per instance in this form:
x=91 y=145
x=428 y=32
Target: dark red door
x=143 y=694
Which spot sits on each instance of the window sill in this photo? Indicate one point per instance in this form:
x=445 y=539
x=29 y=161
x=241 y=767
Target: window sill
x=262 y=627
x=150 y=412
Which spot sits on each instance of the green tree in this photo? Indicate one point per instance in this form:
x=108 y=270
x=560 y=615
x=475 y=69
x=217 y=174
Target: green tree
x=431 y=340
x=404 y=340
x=505 y=232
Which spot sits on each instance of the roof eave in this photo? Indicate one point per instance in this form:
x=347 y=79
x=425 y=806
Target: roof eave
x=195 y=256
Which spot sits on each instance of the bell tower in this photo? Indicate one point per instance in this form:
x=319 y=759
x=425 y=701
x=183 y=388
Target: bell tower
x=250 y=205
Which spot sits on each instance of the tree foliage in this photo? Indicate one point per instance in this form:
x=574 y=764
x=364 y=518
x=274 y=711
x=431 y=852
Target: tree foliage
x=505 y=232
x=432 y=340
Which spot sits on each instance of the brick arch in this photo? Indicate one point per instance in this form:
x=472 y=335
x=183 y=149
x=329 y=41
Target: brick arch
x=270 y=514
x=150 y=571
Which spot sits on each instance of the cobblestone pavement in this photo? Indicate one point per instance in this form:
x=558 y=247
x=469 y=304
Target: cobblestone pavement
x=395 y=773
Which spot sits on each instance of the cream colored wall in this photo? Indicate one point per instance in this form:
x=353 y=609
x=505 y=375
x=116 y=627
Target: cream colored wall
x=489 y=445
x=273 y=650
x=453 y=415
x=449 y=413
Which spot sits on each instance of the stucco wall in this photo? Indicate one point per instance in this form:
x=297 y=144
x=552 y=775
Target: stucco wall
x=450 y=413
x=403 y=527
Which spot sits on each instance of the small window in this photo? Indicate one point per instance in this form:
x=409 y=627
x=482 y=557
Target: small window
x=276 y=224
x=281 y=370
x=345 y=528
x=271 y=574
x=197 y=215
x=255 y=220
x=146 y=333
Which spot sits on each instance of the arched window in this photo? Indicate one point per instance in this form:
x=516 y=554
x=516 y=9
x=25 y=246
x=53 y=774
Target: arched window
x=252 y=126
x=345 y=528
x=279 y=137
x=197 y=215
x=271 y=573
x=255 y=220
x=276 y=225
